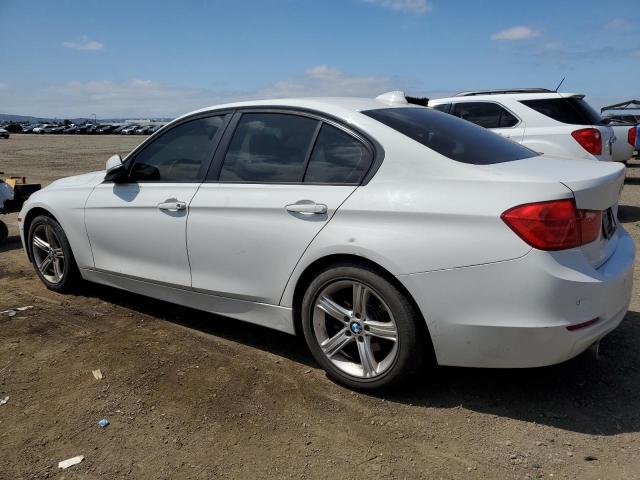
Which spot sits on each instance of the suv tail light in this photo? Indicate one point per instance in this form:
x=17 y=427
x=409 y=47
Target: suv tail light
x=554 y=225
x=632 y=136
x=590 y=139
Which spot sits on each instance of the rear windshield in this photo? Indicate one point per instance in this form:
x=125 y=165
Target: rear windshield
x=572 y=110
x=450 y=136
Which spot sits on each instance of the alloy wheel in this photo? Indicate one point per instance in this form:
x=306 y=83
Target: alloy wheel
x=355 y=329
x=48 y=253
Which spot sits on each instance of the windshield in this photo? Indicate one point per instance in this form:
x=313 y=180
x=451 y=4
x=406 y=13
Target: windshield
x=450 y=136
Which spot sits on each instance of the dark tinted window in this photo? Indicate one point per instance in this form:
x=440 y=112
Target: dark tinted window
x=485 y=114
x=179 y=155
x=337 y=158
x=443 y=107
x=268 y=148
x=450 y=136
x=574 y=111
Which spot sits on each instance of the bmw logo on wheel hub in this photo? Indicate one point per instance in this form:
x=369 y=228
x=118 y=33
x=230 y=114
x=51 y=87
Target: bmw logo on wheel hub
x=355 y=327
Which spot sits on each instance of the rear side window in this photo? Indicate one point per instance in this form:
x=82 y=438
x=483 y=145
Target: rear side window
x=443 y=107
x=337 y=158
x=485 y=114
x=449 y=136
x=572 y=110
x=268 y=148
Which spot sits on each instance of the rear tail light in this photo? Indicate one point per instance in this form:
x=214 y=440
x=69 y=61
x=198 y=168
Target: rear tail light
x=632 y=136
x=590 y=139
x=554 y=225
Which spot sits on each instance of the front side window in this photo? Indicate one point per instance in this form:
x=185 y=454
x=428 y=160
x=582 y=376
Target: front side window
x=179 y=155
x=485 y=114
x=337 y=158
x=268 y=148
x=449 y=136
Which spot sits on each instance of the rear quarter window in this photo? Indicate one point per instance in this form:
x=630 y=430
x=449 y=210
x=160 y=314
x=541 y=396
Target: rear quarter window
x=450 y=136
x=573 y=111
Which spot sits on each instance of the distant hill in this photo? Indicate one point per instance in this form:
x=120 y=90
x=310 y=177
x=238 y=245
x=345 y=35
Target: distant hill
x=7 y=117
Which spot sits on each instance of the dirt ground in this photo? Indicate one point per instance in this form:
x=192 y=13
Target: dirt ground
x=193 y=395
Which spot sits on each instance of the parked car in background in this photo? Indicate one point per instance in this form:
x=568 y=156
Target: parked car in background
x=39 y=128
x=384 y=233
x=626 y=138
x=153 y=129
x=105 y=129
x=129 y=130
x=13 y=128
x=548 y=122
x=4 y=133
x=29 y=128
x=622 y=117
x=119 y=129
x=52 y=129
x=146 y=129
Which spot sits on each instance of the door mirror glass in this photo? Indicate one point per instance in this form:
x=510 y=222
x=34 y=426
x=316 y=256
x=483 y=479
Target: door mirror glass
x=113 y=162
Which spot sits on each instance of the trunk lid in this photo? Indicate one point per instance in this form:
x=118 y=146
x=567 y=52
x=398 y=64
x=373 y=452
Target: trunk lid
x=595 y=186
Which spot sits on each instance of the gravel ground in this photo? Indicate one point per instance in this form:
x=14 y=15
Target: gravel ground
x=193 y=395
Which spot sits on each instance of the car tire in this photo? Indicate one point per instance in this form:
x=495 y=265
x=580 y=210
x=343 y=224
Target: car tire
x=4 y=232
x=51 y=255
x=383 y=347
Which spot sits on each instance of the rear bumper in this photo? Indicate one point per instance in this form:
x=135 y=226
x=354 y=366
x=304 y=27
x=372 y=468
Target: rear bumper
x=515 y=314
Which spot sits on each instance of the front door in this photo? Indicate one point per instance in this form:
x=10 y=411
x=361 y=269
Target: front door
x=281 y=180
x=138 y=228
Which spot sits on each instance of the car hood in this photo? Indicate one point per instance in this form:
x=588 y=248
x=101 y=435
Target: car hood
x=86 y=179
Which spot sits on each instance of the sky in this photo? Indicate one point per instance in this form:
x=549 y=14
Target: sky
x=163 y=58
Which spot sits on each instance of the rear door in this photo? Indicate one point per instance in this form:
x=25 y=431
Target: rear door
x=278 y=178
x=492 y=116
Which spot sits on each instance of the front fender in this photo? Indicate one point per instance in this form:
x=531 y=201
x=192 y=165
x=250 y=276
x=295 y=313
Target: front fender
x=67 y=207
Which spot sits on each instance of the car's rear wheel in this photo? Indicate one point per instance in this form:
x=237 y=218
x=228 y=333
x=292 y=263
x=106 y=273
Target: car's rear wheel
x=361 y=328
x=51 y=254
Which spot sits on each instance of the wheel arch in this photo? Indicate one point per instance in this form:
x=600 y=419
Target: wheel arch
x=31 y=215
x=314 y=267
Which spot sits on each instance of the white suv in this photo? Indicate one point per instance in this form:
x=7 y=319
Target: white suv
x=545 y=121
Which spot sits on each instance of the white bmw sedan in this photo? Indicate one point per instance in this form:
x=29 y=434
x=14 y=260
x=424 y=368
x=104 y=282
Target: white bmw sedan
x=387 y=234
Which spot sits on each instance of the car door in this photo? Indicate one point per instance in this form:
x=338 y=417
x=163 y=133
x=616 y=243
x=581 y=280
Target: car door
x=138 y=228
x=492 y=116
x=276 y=183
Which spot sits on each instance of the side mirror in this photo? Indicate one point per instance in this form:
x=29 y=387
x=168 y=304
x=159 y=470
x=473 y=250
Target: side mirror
x=113 y=162
x=116 y=170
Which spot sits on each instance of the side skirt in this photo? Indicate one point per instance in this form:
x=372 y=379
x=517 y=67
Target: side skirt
x=271 y=316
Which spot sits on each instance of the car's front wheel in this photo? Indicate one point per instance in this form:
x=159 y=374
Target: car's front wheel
x=51 y=254
x=361 y=328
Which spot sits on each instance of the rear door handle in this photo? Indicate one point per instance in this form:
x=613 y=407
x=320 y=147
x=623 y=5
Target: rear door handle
x=172 y=205
x=310 y=208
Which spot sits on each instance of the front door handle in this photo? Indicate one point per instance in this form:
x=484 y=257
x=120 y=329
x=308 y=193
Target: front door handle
x=172 y=205
x=307 y=207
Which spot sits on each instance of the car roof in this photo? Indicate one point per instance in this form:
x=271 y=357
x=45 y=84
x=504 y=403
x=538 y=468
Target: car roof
x=502 y=96
x=338 y=106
